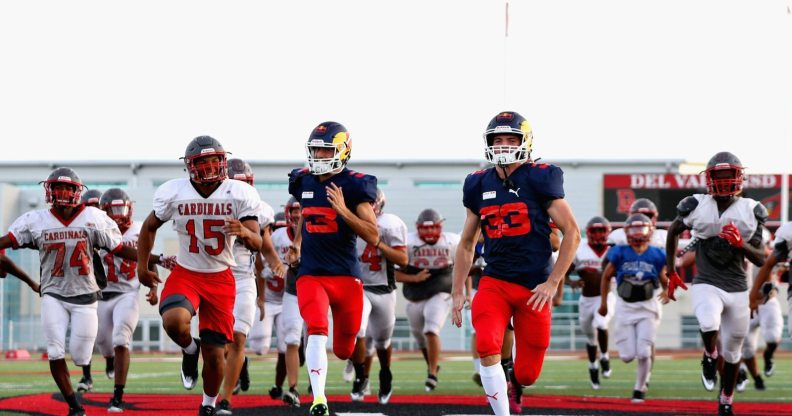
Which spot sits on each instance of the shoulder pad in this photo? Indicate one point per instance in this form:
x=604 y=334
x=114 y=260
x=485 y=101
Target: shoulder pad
x=356 y=174
x=299 y=172
x=477 y=172
x=687 y=205
x=760 y=212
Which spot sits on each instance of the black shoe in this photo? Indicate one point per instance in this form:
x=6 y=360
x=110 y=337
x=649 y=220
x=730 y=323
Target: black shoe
x=76 y=411
x=725 y=410
x=291 y=397
x=116 y=406
x=385 y=385
x=85 y=385
x=244 y=376
x=769 y=367
x=431 y=382
x=359 y=387
x=223 y=408
x=638 y=396
x=759 y=383
x=237 y=388
x=206 y=411
x=605 y=366
x=110 y=367
x=709 y=372
x=594 y=376
x=742 y=381
x=276 y=392
x=189 y=368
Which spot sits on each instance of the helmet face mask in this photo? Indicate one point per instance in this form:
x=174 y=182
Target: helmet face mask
x=511 y=124
x=328 y=148
x=638 y=229
x=205 y=160
x=63 y=188
x=429 y=226
x=118 y=206
x=724 y=175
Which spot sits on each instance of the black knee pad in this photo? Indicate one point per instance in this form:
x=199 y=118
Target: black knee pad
x=176 y=301
x=210 y=337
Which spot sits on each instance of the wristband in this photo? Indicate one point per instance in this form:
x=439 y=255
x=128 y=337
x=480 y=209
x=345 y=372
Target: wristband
x=377 y=246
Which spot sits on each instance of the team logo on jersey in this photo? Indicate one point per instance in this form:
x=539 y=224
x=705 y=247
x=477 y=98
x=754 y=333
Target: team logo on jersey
x=488 y=195
x=516 y=192
x=307 y=194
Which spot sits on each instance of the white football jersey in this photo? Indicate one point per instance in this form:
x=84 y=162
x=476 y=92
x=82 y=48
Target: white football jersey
x=245 y=259
x=373 y=265
x=122 y=273
x=588 y=259
x=66 y=247
x=437 y=256
x=617 y=237
x=203 y=247
x=274 y=285
x=706 y=222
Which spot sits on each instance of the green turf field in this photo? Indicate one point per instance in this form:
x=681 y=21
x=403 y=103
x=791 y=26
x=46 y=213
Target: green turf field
x=672 y=378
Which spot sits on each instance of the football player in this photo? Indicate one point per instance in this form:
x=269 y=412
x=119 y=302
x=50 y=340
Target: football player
x=379 y=303
x=639 y=268
x=236 y=375
x=210 y=213
x=65 y=236
x=512 y=204
x=427 y=285
x=336 y=208
x=729 y=229
x=588 y=265
x=118 y=307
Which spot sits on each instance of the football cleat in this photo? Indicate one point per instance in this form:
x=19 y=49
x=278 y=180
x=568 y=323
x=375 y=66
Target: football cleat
x=319 y=408
x=638 y=396
x=725 y=409
x=206 y=411
x=223 y=408
x=477 y=379
x=431 y=382
x=189 y=368
x=85 y=385
x=385 y=385
x=759 y=383
x=709 y=374
x=769 y=367
x=349 y=372
x=110 y=367
x=79 y=411
x=605 y=365
x=276 y=392
x=742 y=380
x=116 y=406
x=359 y=387
x=594 y=376
x=237 y=387
x=244 y=376
x=291 y=397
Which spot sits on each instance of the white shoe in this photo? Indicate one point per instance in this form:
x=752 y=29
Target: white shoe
x=349 y=372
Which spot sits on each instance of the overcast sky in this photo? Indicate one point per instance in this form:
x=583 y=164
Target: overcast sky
x=410 y=79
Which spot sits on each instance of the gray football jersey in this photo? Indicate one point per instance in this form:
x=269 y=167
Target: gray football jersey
x=66 y=246
x=717 y=263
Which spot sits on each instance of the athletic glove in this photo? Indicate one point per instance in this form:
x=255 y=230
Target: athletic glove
x=674 y=282
x=730 y=233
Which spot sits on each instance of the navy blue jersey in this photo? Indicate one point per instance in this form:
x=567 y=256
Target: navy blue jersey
x=634 y=266
x=328 y=244
x=514 y=220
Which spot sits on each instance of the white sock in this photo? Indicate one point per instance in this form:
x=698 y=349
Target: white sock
x=316 y=363
x=192 y=348
x=593 y=366
x=494 y=381
x=209 y=400
x=477 y=365
x=644 y=364
x=604 y=356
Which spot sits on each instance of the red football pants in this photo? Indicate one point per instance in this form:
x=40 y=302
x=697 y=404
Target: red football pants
x=344 y=296
x=495 y=303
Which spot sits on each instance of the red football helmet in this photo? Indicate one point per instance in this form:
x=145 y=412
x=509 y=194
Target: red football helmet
x=725 y=175
x=597 y=231
x=118 y=206
x=63 y=188
x=206 y=160
x=638 y=228
x=429 y=226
